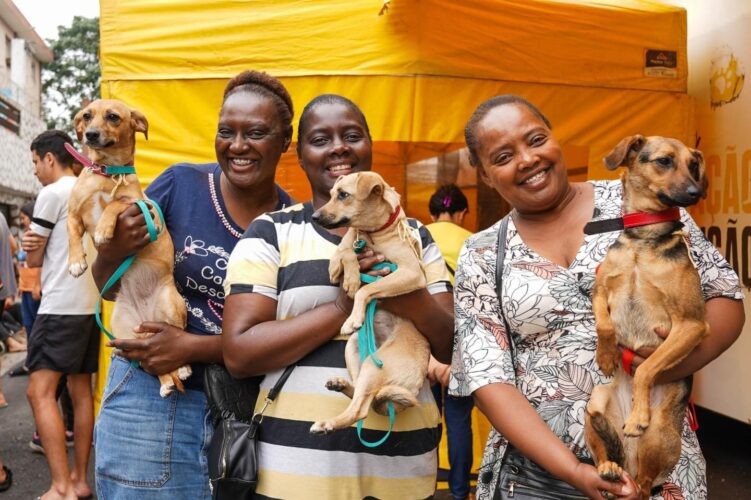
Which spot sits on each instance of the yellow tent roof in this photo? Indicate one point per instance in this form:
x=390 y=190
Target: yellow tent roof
x=417 y=72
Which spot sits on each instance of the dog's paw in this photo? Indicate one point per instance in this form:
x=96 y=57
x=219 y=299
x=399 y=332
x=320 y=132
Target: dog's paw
x=350 y=326
x=77 y=268
x=337 y=384
x=607 y=359
x=101 y=238
x=610 y=471
x=184 y=372
x=351 y=285
x=636 y=423
x=166 y=389
x=322 y=427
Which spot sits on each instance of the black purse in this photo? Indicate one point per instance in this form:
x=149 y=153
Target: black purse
x=233 y=450
x=520 y=477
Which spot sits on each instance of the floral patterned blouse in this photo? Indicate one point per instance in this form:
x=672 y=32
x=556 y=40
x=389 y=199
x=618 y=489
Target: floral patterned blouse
x=549 y=310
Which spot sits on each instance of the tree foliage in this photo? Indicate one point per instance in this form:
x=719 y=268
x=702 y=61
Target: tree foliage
x=73 y=77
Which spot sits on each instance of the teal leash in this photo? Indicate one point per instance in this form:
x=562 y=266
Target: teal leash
x=367 y=344
x=122 y=268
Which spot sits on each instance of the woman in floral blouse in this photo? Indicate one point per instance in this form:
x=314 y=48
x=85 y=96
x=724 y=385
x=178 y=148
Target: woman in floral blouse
x=538 y=404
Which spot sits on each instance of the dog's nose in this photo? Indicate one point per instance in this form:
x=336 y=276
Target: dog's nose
x=694 y=192
x=316 y=216
x=92 y=135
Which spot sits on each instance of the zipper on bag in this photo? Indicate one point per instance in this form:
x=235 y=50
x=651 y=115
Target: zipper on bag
x=513 y=485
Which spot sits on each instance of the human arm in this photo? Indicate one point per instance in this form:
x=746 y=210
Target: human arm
x=511 y=414
x=34 y=246
x=254 y=342
x=169 y=348
x=725 y=317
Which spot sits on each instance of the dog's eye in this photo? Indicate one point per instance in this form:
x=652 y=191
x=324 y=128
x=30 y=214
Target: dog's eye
x=343 y=195
x=664 y=161
x=693 y=168
x=112 y=117
x=87 y=116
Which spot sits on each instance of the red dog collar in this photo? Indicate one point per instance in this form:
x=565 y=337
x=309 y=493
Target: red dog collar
x=391 y=220
x=637 y=219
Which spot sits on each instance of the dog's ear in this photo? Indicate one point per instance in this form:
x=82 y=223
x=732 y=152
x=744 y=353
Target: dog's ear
x=139 y=122
x=78 y=124
x=624 y=152
x=698 y=172
x=391 y=197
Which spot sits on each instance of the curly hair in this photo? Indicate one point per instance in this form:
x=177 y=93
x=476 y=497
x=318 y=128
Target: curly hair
x=263 y=84
x=327 y=99
x=447 y=199
x=470 y=130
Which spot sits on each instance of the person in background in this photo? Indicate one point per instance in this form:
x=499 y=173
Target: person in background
x=448 y=206
x=9 y=327
x=149 y=447
x=65 y=336
x=535 y=396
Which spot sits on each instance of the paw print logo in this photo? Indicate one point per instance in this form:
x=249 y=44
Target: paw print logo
x=726 y=79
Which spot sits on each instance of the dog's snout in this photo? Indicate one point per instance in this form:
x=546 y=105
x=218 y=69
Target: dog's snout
x=317 y=216
x=92 y=135
x=694 y=191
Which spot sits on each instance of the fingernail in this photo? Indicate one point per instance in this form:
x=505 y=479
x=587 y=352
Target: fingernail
x=381 y=258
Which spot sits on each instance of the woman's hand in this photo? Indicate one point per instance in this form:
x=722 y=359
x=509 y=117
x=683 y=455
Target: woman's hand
x=586 y=479
x=32 y=241
x=131 y=235
x=162 y=352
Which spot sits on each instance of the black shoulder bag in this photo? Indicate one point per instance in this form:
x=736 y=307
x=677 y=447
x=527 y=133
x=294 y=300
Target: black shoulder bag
x=233 y=451
x=521 y=478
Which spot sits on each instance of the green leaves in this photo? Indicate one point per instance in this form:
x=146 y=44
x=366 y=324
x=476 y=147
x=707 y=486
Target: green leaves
x=73 y=77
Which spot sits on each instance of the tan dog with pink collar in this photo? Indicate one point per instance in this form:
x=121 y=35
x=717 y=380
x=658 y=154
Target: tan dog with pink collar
x=147 y=292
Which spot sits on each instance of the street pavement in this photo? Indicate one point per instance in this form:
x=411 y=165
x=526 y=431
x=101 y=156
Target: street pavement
x=31 y=476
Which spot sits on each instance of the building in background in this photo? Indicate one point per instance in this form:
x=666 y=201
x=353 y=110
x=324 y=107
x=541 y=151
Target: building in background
x=22 y=52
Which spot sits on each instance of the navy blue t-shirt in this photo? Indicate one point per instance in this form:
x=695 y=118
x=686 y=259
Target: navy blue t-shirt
x=198 y=222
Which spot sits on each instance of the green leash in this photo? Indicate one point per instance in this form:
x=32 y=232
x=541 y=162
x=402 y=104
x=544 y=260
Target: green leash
x=367 y=344
x=122 y=268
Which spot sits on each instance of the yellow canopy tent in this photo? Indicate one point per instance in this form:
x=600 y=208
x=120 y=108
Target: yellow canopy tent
x=600 y=71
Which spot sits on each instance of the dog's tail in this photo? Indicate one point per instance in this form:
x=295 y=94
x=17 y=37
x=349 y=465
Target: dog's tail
x=399 y=396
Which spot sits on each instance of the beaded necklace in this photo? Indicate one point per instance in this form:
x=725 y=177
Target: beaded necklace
x=219 y=210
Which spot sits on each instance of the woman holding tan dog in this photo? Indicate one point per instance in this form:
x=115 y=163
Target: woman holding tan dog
x=534 y=385
x=282 y=310
x=153 y=447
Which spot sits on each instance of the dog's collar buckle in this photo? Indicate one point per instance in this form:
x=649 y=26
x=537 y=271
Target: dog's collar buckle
x=105 y=170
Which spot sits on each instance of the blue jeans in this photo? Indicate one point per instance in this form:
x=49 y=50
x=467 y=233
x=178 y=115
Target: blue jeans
x=457 y=413
x=149 y=447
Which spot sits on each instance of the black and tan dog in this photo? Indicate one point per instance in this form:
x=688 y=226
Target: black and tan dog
x=370 y=208
x=107 y=129
x=647 y=284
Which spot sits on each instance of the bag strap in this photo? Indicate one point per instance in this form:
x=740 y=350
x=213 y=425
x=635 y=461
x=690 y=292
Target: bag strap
x=255 y=422
x=500 y=255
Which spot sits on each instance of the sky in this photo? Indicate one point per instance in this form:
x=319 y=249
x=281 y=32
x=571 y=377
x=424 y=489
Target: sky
x=46 y=15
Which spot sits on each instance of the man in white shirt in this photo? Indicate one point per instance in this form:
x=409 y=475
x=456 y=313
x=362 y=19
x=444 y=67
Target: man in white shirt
x=65 y=337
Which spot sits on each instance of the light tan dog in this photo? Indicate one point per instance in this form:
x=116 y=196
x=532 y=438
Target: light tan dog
x=107 y=129
x=370 y=208
x=647 y=284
